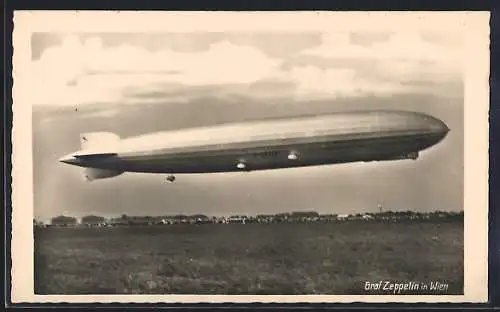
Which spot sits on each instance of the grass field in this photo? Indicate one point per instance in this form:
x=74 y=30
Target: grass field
x=248 y=259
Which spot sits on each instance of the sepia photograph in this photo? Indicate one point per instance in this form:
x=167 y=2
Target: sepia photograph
x=190 y=156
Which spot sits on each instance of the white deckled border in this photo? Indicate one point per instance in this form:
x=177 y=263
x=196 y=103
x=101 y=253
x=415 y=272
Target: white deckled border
x=474 y=25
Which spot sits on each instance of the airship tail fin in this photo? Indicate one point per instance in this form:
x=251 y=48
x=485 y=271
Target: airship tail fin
x=103 y=142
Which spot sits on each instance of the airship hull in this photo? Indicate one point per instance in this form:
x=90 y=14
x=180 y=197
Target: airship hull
x=275 y=156
x=299 y=142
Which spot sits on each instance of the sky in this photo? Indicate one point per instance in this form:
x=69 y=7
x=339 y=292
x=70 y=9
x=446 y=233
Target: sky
x=134 y=83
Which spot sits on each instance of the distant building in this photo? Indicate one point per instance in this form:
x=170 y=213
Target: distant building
x=139 y=220
x=304 y=216
x=199 y=219
x=166 y=221
x=237 y=219
x=63 y=221
x=367 y=217
x=342 y=217
x=93 y=221
x=118 y=221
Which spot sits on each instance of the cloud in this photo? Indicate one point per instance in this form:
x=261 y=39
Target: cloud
x=66 y=74
x=400 y=56
x=340 y=82
x=399 y=46
x=396 y=63
x=83 y=71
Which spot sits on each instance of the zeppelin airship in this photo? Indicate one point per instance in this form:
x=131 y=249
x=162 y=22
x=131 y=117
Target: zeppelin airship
x=355 y=136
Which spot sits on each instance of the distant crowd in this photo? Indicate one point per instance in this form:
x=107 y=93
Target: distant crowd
x=293 y=217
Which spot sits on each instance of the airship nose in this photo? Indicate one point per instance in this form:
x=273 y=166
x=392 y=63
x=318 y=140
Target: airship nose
x=437 y=126
x=68 y=159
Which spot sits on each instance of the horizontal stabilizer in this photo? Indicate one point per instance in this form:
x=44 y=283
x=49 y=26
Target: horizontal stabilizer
x=98 y=143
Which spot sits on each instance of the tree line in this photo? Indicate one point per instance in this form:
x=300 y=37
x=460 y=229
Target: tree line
x=302 y=216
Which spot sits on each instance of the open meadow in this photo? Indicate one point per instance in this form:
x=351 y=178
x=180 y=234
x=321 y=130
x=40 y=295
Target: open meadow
x=267 y=259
